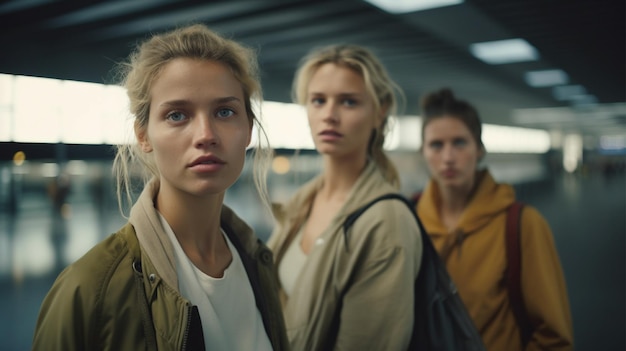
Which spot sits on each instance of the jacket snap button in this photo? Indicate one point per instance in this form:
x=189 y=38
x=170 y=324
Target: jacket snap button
x=152 y=277
x=266 y=257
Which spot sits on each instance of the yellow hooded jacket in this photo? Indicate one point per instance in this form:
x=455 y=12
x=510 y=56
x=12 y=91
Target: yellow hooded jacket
x=475 y=256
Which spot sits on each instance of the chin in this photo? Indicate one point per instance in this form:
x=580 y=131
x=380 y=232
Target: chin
x=202 y=190
x=450 y=182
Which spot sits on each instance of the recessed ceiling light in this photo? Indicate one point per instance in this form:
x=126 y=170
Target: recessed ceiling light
x=546 y=78
x=504 y=51
x=405 y=6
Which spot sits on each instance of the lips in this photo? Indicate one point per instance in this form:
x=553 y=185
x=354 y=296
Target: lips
x=206 y=160
x=330 y=132
x=449 y=173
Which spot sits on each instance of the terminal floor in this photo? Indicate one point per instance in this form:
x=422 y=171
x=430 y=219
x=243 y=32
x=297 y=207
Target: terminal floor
x=587 y=215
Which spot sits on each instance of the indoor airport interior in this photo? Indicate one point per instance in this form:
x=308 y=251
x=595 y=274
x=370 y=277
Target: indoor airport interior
x=548 y=79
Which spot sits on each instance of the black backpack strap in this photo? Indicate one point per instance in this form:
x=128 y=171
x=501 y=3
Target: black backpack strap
x=441 y=321
x=513 y=275
x=356 y=214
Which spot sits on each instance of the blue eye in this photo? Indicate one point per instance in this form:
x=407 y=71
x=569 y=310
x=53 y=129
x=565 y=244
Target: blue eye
x=317 y=101
x=225 y=112
x=176 y=116
x=349 y=102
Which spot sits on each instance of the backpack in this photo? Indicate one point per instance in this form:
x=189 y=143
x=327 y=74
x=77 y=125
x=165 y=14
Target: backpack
x=441 y=321
x=514 y=266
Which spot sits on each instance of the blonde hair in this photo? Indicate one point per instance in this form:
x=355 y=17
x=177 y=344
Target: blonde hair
x=379 y=85
x=144 y=66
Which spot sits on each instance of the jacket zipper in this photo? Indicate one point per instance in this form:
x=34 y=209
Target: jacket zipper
x=186 y=335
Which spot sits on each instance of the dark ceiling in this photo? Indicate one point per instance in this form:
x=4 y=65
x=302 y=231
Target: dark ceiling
x=426 y=50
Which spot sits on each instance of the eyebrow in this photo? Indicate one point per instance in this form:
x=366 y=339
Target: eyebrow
x=183 y=102
x=340 y=94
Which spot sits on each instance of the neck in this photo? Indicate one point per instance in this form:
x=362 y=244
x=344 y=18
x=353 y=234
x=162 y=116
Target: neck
x=339 y=177
x=454 y=200
x=194 y=220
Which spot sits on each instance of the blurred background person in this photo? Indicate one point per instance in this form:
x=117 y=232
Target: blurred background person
x=185 y=272
x=347 y=291
x=464 y=211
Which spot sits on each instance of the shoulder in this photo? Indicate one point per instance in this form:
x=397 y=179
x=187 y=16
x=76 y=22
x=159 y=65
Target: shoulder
x=106 y=255
x=388 y=222
x=89 y=277
x=530 y=216
x=533 y=225
x=76 y=299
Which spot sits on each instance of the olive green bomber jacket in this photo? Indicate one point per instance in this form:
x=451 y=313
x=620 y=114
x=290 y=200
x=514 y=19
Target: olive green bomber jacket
x=123 y=295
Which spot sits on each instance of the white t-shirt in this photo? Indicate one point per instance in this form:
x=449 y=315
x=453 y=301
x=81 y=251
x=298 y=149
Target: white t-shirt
x=291 y=264
x=230 y=318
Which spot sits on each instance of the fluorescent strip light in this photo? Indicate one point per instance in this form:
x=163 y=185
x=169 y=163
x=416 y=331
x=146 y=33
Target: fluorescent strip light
x=406 y=6
x=613 y=142
x=504 y=51
x=546 y=78
x=106 y=109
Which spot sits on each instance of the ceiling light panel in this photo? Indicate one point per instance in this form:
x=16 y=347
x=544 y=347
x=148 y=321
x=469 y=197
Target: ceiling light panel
x=546 y=78
x=406 y=6
x=504 y=51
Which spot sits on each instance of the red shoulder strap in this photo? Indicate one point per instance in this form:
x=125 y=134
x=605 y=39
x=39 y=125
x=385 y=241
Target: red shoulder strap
x=513 y=276
x=415 y=198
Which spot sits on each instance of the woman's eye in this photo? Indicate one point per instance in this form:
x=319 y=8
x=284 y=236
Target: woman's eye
x=460 y=142
x=176 y=116
x=317 y=101
x=225 y=112
x=349 y=102
x=435 y=145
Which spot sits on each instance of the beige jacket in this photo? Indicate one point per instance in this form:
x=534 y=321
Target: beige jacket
x=355 y=291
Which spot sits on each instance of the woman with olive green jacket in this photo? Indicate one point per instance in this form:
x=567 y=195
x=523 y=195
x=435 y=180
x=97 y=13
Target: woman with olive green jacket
x=123 y=294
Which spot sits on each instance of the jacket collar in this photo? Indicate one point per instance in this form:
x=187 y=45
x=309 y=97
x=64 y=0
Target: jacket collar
x=489 y=200
x=156 y=244
x=370 y=184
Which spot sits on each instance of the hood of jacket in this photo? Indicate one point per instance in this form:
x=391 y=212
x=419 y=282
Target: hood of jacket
x=489 y=200
x=156 y=243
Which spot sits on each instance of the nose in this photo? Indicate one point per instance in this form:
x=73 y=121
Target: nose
x=448 y=153
x=205 y=132
x=330 y=113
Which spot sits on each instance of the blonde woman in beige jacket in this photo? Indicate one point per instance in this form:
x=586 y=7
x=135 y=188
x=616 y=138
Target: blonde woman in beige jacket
x=347 y=291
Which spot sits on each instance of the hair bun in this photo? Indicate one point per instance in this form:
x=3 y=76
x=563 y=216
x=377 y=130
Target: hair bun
x=438 y=100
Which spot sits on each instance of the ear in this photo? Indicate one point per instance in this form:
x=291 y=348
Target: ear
x=382 y=115
x=142 y=138
x=481 y=152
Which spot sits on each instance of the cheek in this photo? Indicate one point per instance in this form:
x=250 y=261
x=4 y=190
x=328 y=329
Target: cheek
x=430 y=158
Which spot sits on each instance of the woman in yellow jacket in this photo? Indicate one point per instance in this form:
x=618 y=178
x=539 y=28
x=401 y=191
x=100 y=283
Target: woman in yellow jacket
x=464 y=211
